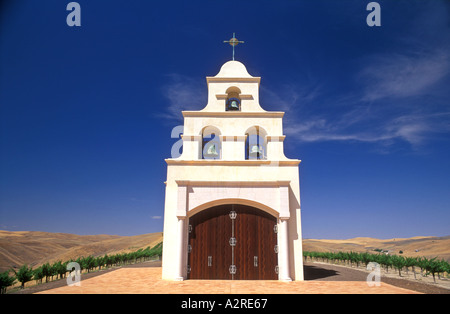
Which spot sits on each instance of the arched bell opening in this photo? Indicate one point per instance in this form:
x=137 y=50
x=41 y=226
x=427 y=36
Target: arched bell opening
x=211 y=144
x=233 y=101
x=256 y=143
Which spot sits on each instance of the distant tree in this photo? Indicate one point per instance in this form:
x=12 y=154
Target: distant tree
x=24 y=274
x=60 y=269
x=399 y=262
x=432 y=266
x=54 y=270
x=366 y=258
x=355 y=258
x=87 y=263
x=46 y=271
x=6 y=281
x=38 y=274
x=412 y=262
x=90 y=263
x=80 y=261
x=101 y=261
x=108 y=260
x=436 y=267
x=156 y=250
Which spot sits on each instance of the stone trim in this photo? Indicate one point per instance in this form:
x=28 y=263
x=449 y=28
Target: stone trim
x=273 y=195
x=218 y=162
x=236 y=114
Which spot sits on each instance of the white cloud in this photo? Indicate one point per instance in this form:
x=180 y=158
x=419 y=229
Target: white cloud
x=322 y=130
x=183 y=93
x=414 y=128
x=388 y=108
x=156 y=217
x=402 y=75
x=404 y=97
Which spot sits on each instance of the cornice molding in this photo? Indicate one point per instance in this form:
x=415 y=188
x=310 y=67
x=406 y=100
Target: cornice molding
x=235 y=114
x=216 y=162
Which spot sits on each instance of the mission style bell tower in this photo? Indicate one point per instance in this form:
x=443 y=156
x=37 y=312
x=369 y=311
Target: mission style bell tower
x=232 y=204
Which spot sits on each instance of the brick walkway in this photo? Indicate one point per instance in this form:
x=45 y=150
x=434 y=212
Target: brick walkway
x=147 y=280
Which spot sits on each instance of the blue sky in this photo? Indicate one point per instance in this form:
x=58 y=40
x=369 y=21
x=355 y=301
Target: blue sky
x=86 y=113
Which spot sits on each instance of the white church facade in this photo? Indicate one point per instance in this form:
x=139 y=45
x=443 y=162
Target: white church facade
x=232 y=202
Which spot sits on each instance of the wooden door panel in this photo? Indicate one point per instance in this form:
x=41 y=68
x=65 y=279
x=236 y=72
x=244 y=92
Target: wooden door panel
x=220 y=233
x=245 y=230
x=255 y=237
x=209 y=258
x=267 y=240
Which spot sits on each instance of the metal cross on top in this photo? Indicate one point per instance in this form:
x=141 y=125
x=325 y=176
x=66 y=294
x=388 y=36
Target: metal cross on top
x=233 y=42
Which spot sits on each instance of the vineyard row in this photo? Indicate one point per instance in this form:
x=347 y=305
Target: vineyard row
x=59 y=268
x=429 y=266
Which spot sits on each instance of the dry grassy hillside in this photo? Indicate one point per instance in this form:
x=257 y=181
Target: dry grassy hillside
x=35 y=248
x=411 y=247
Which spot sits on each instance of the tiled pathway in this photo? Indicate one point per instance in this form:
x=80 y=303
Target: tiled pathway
x=147 y=280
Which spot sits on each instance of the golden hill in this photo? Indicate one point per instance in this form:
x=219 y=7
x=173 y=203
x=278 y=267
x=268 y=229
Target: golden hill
x=412 y=247
x=35 y=248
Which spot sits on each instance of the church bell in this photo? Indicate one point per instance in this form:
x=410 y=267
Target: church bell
x=233 y=104
x=212 y=151
x=256 y=151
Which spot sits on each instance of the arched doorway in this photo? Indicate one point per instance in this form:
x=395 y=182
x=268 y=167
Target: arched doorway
x=232 y=242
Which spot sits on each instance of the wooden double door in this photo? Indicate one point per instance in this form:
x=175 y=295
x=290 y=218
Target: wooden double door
x=232 y=242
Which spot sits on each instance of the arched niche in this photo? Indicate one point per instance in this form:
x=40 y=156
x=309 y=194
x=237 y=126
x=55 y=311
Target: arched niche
x=256 y=143
x=233 y=101
x=230 y=201
x=211 y=144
